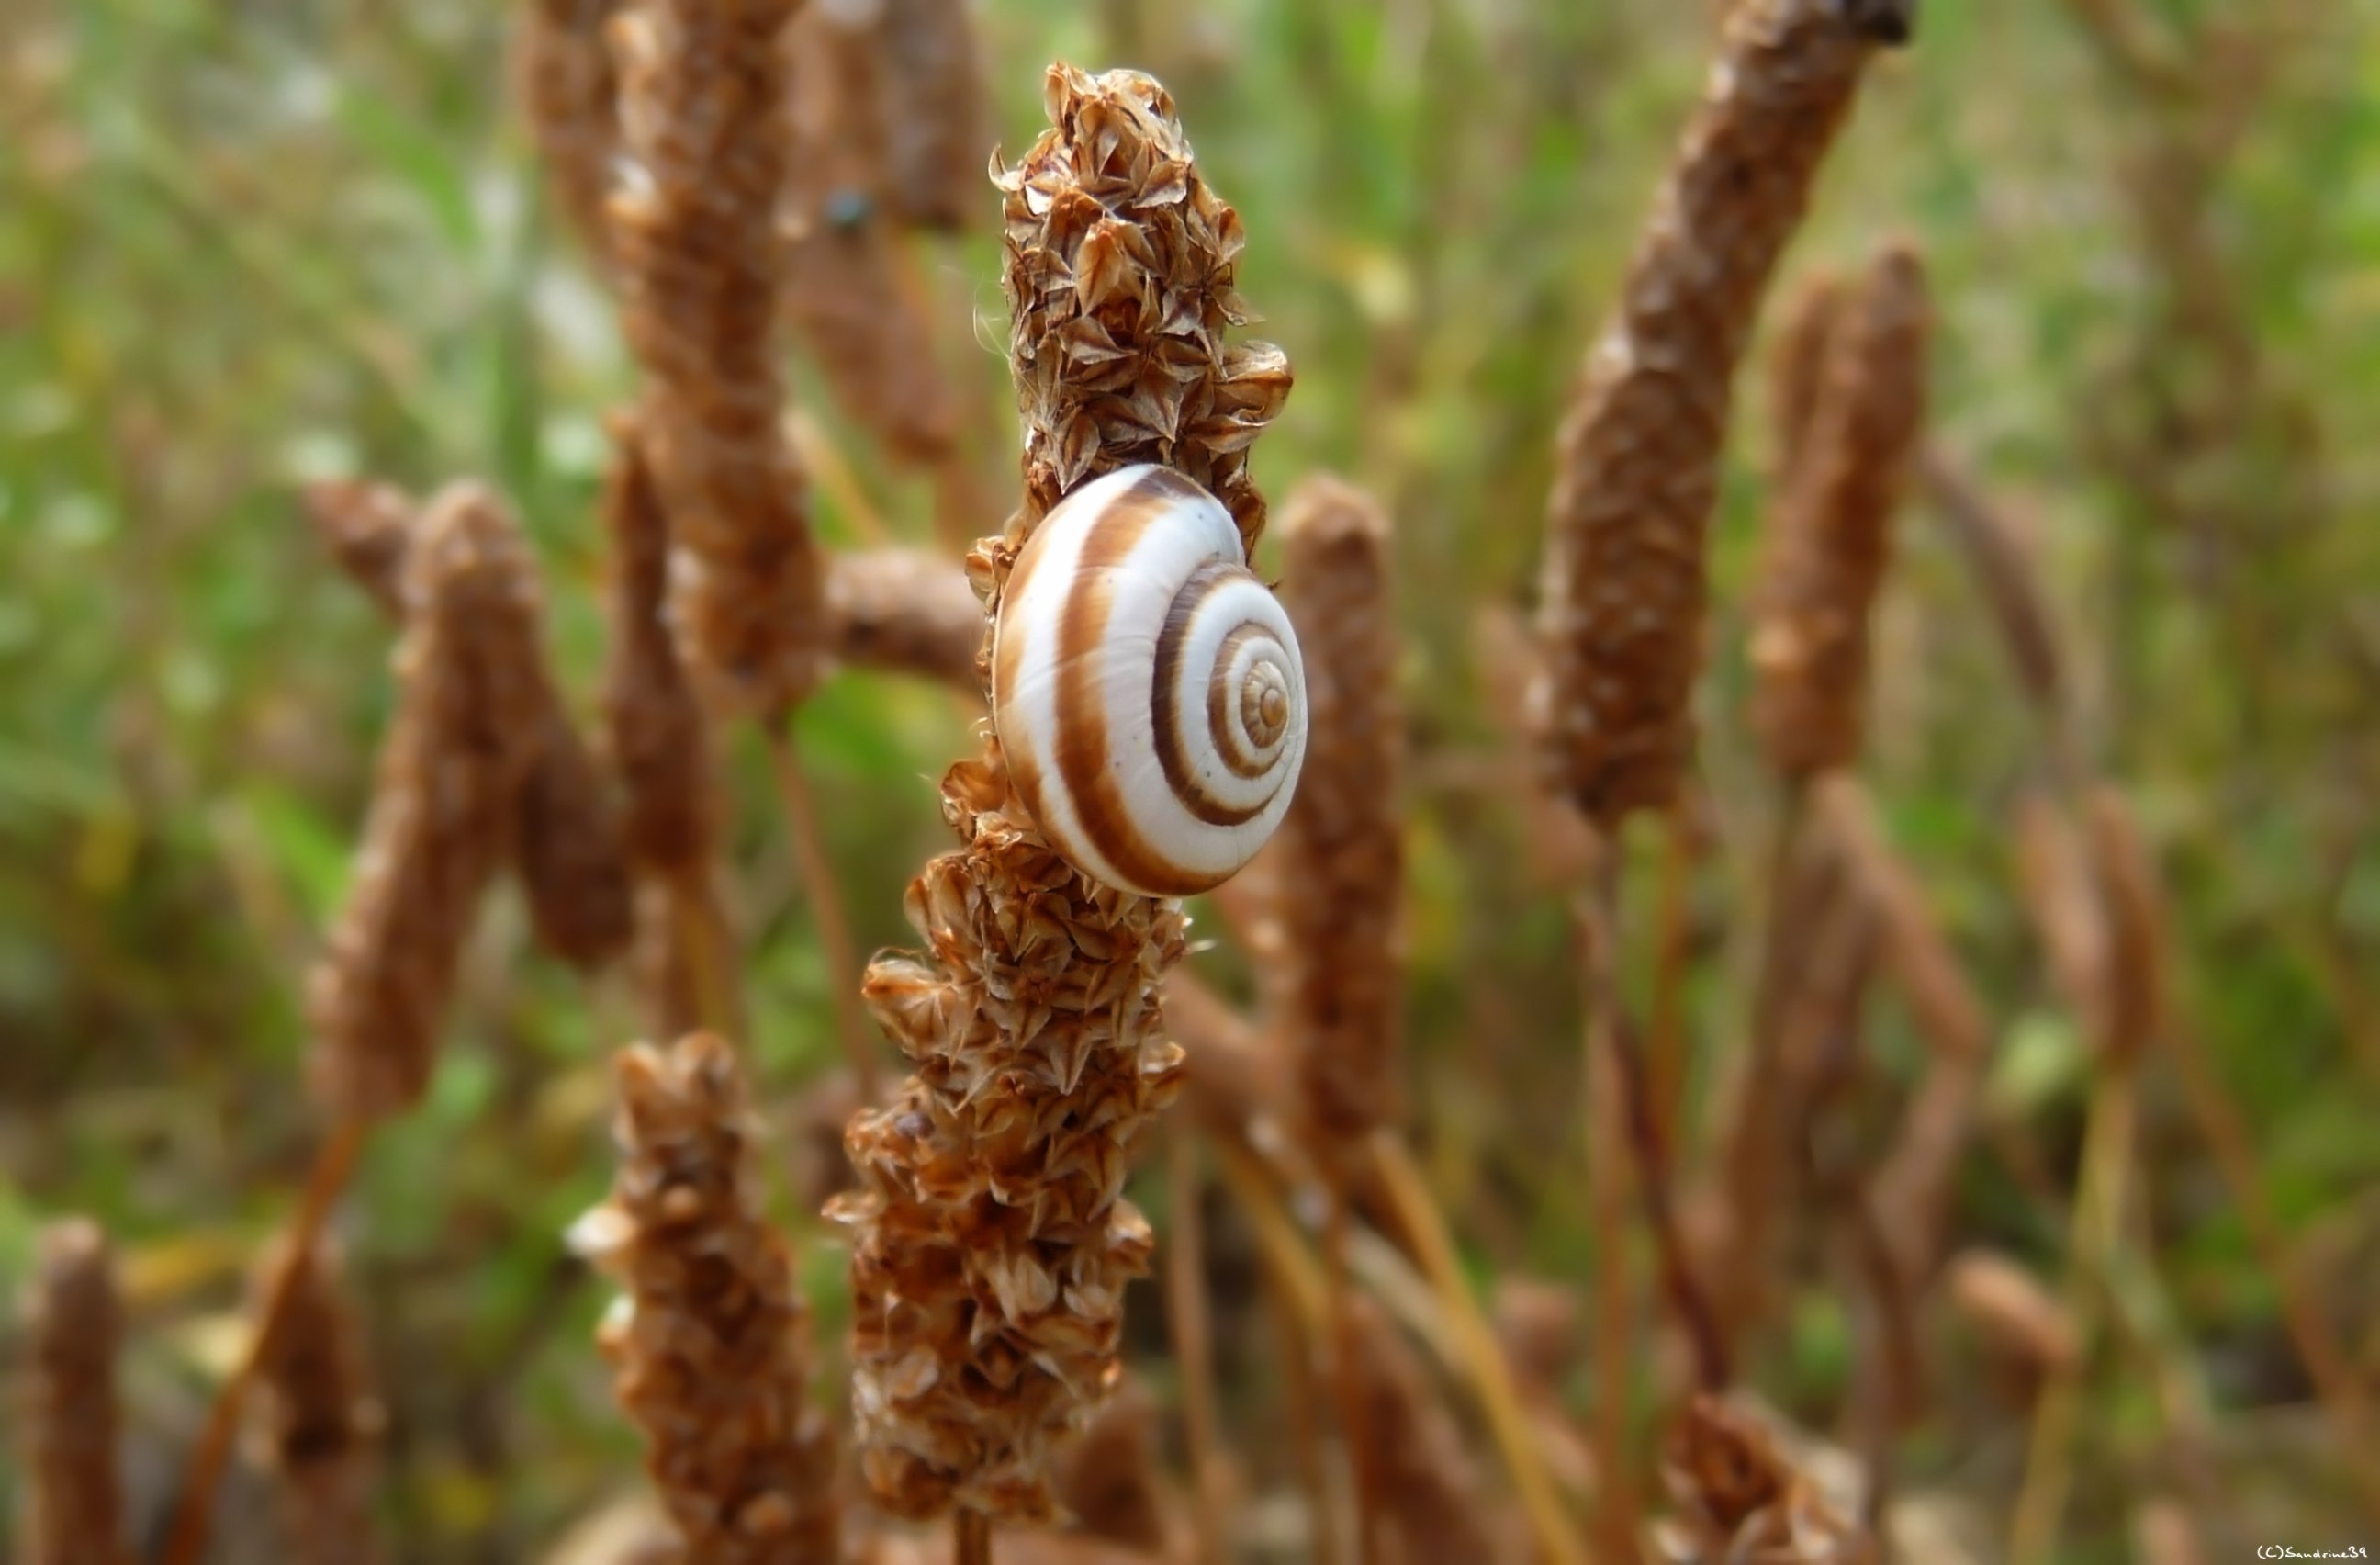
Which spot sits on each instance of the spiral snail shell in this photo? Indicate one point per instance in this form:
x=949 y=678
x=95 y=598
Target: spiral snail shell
x=1146 y=686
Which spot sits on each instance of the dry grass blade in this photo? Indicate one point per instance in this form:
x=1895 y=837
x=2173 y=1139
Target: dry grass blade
x=710 y=1341
x=1831 y=535
x=1636 y=468
x=694 y=233
x=72 y=1498
x=320 y=1422
x=991 y=1243
x=2010 y=582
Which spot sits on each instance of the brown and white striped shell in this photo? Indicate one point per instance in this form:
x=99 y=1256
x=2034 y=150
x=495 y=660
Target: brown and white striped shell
x=1146 y=687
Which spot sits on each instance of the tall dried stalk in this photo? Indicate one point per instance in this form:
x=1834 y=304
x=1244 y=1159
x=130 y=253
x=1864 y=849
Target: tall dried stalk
x=991 y=1241
x=1428 y=1490
x=568 y=87
x=1636 y=469
x=321 y=1422
x=567 y=841
x=660 y=748
x=444 y=804
x=710 y=1339
x=848 y=294
x=937 y=138
x=694 y=232
x=72 y=1498
x=906 y=611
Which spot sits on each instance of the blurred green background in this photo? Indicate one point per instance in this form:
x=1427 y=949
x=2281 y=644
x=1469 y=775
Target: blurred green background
x=243 y=245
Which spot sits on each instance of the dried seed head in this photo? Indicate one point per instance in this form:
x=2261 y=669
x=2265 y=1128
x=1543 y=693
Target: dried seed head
x=2012 y=1309
x=659 y=744
x=1797 y=373
x=1636 y=468
x=72 y=1498
x=2135 y=925
x=568 y=839
x=906 y=611
x=1739 y=1499
x=694 y=235
x=1107 y=1477
x=443 y=809
x=1340 y=861
x=711 y=1342
x=367 y=528
x=567 y=89
x=1120 y=269
x=849 y=292
x=1418 y=1467
x=319 y=1422
x=1831 y=535
x=991 y=1241
x=938 y=124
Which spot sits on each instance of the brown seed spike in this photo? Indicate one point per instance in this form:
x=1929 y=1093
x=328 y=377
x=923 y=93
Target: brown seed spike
x=1340 y=857
x=693 y=234
x=72 y=1497
x=991 y=1242
x=567 y=90
x=1120 y=268
x=1636 y=468
x=442 y=815
x=939 y=127
x=319 y=1420
x=709 y=1341
x=1832 y=531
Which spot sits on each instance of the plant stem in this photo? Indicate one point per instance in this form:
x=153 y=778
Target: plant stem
x=1491 y=1377
x=970 y=1537
x=1607 y=1119
x=1194 y=1344
x=186 y=1540
x=825 y=903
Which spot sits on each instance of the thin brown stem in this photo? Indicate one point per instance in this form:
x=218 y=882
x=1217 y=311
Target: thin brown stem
x=1674 y=941
x=186 y=1540
x=1491 y=1376
x=1194 y=1343
x=826 y=904
x=1355 y=1437
x=1607 y=1177
x=706 y=950
x=970 y=1537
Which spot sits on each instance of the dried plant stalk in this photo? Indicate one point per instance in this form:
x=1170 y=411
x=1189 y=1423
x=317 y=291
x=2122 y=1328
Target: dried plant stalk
x=939 y=131
x=72 y=1497
x=1739 y=1498
x=991 y=1241
x=444 y=816
x=1797 y=374
x=1831 y=540
x=320 y=1421
x=2012 y=1310
x=568 y=88
x=906 y=611
x=1432 y=1495
x=694 y=232
x=1636 y=469
x=849 y=295
x=710 y=1341
x=1340 y=860
x=567 y=841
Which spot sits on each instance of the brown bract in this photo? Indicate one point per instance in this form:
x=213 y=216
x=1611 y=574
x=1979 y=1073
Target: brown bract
x=1339 y=855
x=991 y=1241
x=319 y=1422
x=1740 y=1501
x=709 y=1341
x=1121 y=261
x=1636 y=466
x=1831 y=537
x=467 y=730
x=693 y=234
x=71 y=1498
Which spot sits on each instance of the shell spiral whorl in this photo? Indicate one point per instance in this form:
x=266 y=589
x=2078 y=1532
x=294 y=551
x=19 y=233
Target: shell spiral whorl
x=1146 y=687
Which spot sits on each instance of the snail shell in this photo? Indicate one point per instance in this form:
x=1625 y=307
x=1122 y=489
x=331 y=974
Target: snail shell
x=1146 y=687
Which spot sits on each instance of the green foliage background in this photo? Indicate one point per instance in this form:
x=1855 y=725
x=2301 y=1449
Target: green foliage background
x=242 y=245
